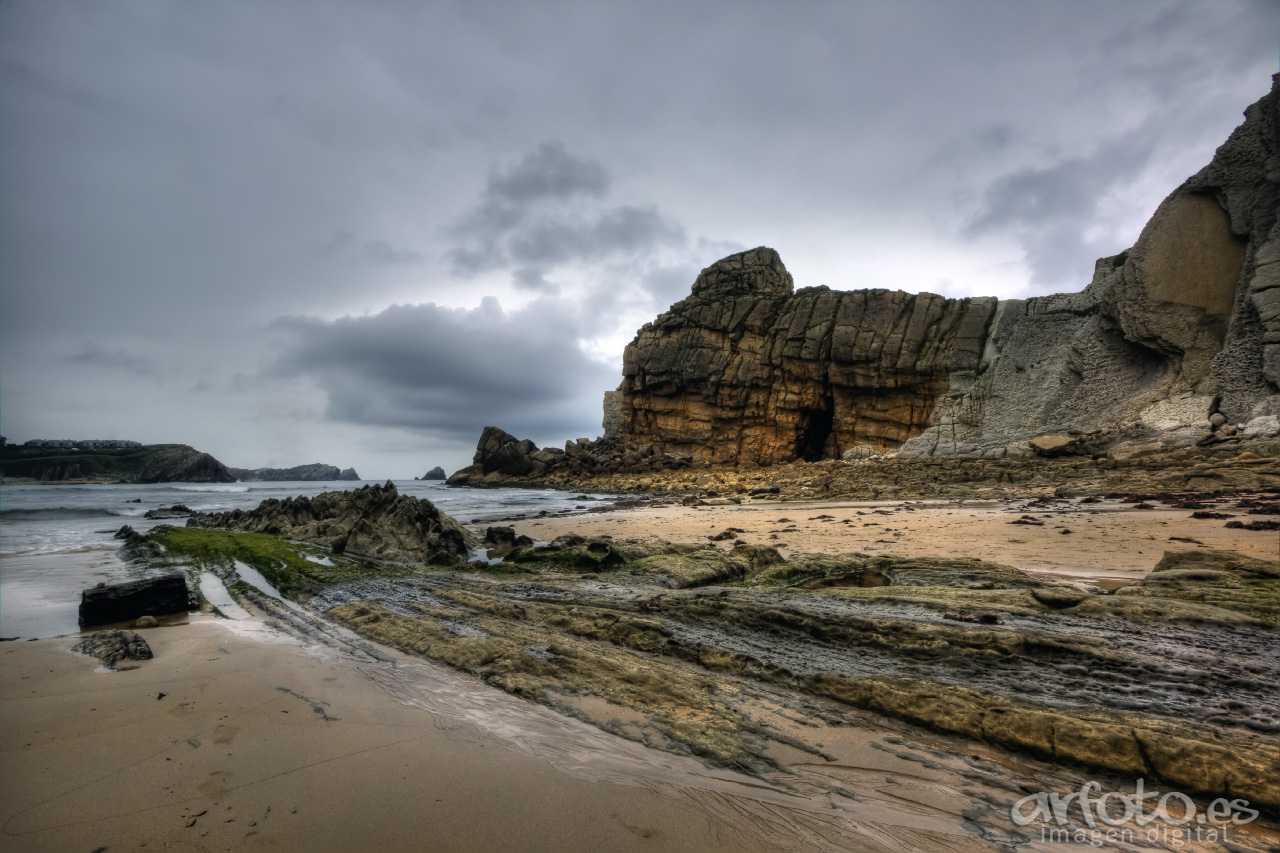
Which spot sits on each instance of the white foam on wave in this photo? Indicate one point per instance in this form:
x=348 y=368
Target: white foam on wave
x=212 y=487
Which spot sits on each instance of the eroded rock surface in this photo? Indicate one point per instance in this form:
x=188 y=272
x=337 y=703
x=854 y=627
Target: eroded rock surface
x=111 y=647
x=1173 y=345
x=373 y=523
x=961 y=646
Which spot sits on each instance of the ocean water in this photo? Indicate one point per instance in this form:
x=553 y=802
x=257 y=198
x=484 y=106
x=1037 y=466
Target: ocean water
x=58 y=540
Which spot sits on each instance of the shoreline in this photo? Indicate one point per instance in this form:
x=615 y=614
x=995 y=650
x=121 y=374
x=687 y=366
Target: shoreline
x=1109 y=540
x=373 y=746
x=238 y=737
x=226 y=741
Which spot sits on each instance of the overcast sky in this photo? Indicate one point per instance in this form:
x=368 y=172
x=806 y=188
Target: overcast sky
x=358 y=232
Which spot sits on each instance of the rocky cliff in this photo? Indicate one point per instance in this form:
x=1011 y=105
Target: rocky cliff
x=1172 y=349
x=178 y=463
x=1175 y=341
x=151 y=463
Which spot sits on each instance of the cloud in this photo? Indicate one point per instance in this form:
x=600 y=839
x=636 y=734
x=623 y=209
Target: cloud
x=546 y=212
x=450 y=372
x=548 y=172
x=343 y=245
x=1051 y=209
x=116 y=359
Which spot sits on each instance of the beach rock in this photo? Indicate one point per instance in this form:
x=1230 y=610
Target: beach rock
x=372 y=523
x=111 y=647
x=106 y=604
x=436 y=473
x=175 y=511
x=504 y=540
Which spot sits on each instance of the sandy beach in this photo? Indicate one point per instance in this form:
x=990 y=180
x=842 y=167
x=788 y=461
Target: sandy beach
x=236 y=737
x=1108 y=540
x=243 y=736
x=227 y=742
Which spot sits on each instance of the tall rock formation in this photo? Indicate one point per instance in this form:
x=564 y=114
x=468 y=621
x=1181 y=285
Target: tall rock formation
x=1175 y=342
x=747 y=368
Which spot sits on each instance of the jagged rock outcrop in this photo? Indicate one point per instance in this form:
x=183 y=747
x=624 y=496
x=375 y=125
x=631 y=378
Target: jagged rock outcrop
x=1176 y=341
x=111 y=647
x=500 y=456
x=1173 y=349
x=370 y=523
x=314 y=472
x=745 y=369
x=178 y=463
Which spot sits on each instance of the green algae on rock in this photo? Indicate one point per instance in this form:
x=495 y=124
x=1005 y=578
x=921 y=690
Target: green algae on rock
x=374 y=523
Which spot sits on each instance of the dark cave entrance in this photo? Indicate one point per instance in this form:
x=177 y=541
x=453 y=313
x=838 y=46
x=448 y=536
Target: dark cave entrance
x=815 y=431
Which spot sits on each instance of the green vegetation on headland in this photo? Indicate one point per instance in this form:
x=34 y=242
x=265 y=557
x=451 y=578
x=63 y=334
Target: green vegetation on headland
x=152 y=463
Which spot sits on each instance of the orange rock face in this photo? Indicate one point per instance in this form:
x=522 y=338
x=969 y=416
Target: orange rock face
x=747 y=369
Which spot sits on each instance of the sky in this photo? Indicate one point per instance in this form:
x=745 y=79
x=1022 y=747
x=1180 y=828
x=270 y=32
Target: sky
x=359 y=232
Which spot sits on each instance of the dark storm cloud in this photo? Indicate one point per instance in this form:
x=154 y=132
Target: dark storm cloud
x=176 y=174
x=548 y=172
x=449 y=371
x=544 y=212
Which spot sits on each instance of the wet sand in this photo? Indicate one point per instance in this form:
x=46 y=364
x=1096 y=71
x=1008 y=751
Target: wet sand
x=1109 y=541
x=257 y=745
x=235 y=737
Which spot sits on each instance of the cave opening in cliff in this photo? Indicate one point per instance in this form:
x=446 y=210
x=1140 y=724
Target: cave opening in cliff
x=815 y=431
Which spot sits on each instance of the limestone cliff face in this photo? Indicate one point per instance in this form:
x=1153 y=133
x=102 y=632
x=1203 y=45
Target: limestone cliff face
x=747 y=368
x=1175 y=342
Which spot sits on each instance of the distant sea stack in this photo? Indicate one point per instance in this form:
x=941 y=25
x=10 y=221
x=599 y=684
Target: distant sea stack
x=316 y=472
x=1172 y=348
x=436 y=473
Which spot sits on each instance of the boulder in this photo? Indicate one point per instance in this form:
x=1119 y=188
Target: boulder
x=107 y=604
x=111 y=647
x=175 y=511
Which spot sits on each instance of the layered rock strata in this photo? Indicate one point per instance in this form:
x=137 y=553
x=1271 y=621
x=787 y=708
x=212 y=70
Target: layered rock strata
x=1173 y=348
x=1175 y=341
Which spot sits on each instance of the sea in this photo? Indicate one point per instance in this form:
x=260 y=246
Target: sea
x=56 y=541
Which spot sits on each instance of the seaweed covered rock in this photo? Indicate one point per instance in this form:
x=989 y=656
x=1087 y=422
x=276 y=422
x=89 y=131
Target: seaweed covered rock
x=370 y=523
